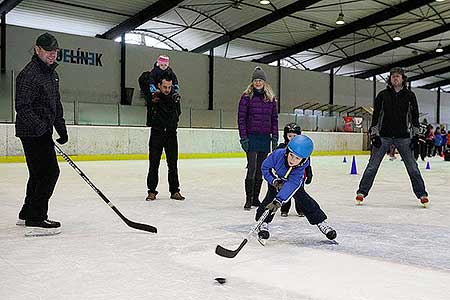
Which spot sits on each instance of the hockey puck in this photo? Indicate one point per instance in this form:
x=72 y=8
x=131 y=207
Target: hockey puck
x=220 y=280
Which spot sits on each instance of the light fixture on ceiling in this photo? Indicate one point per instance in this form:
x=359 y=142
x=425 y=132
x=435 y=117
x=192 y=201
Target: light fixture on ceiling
x=264 y=2
x=314 y=26
x=440 y=0
x=236 y=5
x=397 y=36
x=439 y=48
x=340 y=19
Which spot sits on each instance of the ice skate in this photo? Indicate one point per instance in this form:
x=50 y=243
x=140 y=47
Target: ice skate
x=42 y=228
x=284 y=214
x=424 y=201
x=359 y=199
x=326 y=229
x=20 y=222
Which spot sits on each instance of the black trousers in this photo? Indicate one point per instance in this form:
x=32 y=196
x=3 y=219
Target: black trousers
x=254 y=162
x=43 y=174
x=163 y=139
x=303 y=200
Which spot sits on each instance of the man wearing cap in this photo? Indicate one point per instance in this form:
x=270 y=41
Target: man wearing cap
x=39 y=109
x=395 y=121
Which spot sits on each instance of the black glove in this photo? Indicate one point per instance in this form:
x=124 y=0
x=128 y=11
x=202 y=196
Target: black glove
x=414 y=142
x=273 y=206
x=376 y=141
x=245 y=144
x=308 y=179
x=63 y=138
x=278 y=183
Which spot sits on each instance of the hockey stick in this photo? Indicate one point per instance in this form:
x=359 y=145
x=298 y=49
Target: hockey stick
x=221 y=251
x=130 y=223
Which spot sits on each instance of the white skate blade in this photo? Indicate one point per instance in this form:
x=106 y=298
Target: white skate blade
x=262 y=241
x=38 y=231
x=20 y=222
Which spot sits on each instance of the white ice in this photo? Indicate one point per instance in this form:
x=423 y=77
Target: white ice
x=389 y=248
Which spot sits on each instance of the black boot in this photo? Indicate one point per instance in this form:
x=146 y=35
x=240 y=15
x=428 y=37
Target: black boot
x=248 y=193
x=256 y=190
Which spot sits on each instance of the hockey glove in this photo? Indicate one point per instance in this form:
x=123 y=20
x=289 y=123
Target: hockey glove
x=273 y=206
x=63 y=138
x=376 y=141
x=245 y=144
x=278 y=183
x=414 y=142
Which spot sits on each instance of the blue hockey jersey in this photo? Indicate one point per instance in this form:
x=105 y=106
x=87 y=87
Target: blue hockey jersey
x=275 y=166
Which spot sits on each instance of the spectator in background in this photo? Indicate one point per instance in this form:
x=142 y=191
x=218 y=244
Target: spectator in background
x=437 y=142
x=444 y=138
x=258 y=131
x=395 y=111
x=149 y=79
x=429 y=140
x=39 y=109
x=164 y=111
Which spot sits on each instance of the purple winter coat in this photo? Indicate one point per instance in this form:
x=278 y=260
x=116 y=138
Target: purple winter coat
x=257 y=116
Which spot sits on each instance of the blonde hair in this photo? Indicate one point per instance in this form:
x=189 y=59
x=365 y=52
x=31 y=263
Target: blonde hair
x=269 y=95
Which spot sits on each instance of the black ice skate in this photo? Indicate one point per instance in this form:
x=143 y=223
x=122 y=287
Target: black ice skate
x=42 y=228
x=326 y=229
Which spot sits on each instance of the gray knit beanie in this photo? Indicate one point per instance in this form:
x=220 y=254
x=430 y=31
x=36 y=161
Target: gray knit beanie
x=259 y=74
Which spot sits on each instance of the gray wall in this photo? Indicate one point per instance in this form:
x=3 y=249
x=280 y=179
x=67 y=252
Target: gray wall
x=85 y=83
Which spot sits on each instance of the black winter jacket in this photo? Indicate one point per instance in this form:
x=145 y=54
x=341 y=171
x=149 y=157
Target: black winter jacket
x=164 y=113
x=38 y=102
x=395 y=114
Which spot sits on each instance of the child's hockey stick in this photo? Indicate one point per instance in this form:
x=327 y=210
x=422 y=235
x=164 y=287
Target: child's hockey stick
x=232 y=253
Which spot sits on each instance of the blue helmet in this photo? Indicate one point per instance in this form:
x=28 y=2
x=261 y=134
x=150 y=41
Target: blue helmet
x=301 y=146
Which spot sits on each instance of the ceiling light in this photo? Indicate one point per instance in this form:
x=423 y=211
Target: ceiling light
x=314 y=26
x=439 y=48
x=340 y=19
x=397 y=36
x=264 y=2
x=440 y=0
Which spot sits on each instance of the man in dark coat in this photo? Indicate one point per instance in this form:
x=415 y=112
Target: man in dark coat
x=39 y=109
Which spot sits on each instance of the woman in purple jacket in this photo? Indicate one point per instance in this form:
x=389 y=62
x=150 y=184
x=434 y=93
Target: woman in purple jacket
x=258 y=130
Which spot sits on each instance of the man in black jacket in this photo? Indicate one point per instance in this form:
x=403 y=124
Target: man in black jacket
x=395 y=113
x=163 y=115
x=39 y=109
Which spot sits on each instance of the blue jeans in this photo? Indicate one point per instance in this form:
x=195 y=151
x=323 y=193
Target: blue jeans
x=377 y=155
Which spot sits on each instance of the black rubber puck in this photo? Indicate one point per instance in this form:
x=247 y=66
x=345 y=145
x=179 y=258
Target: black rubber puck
x=220 y=280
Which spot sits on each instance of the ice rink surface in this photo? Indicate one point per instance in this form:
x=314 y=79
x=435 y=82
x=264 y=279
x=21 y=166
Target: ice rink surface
x=389 y=248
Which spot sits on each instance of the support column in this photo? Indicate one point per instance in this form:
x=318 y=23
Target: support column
x=123 y=93
x=438 y=106
x=279 y=85
x=3 y=44
x=211 y=80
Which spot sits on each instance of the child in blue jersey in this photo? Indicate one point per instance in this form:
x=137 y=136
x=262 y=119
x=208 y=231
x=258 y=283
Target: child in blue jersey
x=284 y=185
x=289 y=132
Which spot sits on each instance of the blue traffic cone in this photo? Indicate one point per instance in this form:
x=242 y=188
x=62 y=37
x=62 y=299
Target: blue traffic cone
x=428 y=166
x=345 y=160
x=353 y=171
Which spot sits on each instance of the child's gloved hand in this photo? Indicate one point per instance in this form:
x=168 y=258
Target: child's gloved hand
x=278 y=183
x=273 y=206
